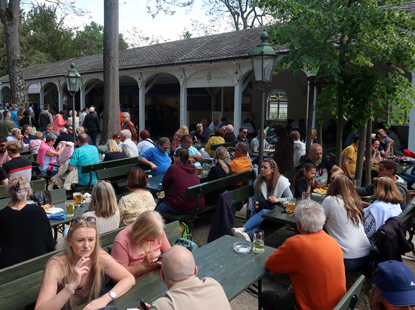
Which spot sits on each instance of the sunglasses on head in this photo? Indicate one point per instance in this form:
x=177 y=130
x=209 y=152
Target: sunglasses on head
x=89 y=219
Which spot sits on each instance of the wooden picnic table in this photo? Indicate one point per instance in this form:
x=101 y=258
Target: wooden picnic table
x=234 y=271
x=154 y=184
x=59 y=225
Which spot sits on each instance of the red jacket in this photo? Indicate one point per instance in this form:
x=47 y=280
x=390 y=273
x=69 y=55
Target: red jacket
x=175 y=183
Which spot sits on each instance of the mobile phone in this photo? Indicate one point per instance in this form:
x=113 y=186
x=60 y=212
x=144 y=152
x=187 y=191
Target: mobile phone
x=160 y=256
x=143 y=304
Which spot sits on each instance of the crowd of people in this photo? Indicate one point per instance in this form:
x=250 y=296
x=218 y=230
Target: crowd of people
x=332 y=237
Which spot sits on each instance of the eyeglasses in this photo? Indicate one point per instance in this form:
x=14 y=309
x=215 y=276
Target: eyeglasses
x=245 y=132
x=89 y=219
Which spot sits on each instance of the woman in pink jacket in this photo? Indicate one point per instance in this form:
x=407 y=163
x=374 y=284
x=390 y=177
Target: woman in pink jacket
x=59 y=122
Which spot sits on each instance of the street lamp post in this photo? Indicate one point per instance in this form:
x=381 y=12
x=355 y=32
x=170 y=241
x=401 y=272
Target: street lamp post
x=73 y=82
x=263 y=63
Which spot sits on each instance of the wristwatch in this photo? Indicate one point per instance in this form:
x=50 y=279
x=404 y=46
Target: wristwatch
x=113 y=295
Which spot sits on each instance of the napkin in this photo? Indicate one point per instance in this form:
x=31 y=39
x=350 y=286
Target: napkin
x=61 y=216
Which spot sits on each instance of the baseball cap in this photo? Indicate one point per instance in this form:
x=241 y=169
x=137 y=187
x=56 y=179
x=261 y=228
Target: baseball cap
x=396 y=281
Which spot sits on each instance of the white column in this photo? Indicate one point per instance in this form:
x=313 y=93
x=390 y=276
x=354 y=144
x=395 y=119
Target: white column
x=183 y=105
x=237 y=106
x=41 y=98
x=142 y=107
x=82 y=96
x=60 y=98
x=411 y=133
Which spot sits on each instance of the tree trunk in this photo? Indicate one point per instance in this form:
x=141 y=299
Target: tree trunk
x=320 y=132
x=10 y=16
x=311 y=81
x=368 y=153
x=360 y=154
x=111 y=122
x=339 y=136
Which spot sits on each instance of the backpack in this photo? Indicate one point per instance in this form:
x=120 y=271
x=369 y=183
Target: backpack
x=43 y=120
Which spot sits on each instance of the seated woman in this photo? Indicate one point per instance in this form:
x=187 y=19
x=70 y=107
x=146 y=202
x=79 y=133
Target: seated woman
x=46 y=156
x=25 y=230
x=386 y=205
x=269 y=188
x=74 y=277
x=344 y=222
x=34 y=144
x=138 y=246
x=145 y=143
x=220 y=170
x=177 y=137
x=217 y=138
x=114 y=151
x=138 y=201
x=177 y=179
x=104 y=207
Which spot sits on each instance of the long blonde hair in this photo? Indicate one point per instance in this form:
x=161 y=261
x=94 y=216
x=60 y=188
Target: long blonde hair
x=275 y=176
x=113 y=146
x=103 y=200
x=96 y=271
x=183 y=130
x=148 y=224
x=387 y=191
x=342 y=186
x=222 y=156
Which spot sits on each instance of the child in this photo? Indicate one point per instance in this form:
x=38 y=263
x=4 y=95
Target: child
x=304 y=181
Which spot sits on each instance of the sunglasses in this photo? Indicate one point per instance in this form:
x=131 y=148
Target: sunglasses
x=89 y=219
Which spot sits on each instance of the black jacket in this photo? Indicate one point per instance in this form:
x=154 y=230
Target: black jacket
x=91 y=121
x=394 y=244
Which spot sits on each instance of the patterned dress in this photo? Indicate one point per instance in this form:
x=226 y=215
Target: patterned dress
x=133 y=204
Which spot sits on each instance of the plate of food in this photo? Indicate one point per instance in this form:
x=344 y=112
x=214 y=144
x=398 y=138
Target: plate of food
x=321 y=190
x=50 y=209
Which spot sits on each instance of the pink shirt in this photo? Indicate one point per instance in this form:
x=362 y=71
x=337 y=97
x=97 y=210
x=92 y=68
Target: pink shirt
x=4 y=157
x=58 y=123
x=128 y=254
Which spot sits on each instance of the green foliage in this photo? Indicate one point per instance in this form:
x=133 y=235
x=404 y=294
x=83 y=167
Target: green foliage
x=350 y=43
x=44 y=38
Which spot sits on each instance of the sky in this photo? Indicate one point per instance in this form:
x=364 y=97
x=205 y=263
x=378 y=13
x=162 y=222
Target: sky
x=133 y=18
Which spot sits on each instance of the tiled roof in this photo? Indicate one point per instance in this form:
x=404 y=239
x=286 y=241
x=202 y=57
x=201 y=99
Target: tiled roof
x=230 y=45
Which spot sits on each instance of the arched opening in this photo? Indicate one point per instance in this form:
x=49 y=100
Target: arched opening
x=51 y=96
x=162 y=105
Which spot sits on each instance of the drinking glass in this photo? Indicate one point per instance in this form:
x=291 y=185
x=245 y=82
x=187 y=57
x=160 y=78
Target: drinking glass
x=258 y=238
x=290 y=205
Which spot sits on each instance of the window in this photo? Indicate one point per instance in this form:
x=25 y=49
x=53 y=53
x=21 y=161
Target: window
x=278 y=105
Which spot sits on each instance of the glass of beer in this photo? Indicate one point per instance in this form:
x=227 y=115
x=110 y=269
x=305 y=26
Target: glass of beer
x=290 y=205
x=77 y=198
x=258 y=238
x=70 y=209
x=199 y=171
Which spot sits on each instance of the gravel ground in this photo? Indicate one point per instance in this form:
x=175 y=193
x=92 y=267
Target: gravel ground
x=280 y=283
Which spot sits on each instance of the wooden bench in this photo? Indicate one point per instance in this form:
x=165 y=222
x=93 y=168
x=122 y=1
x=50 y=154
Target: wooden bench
x=20 y=283
x=408 y=217
x=36 y=185
x=348 y=302
x=225 y=145
x=194 y=192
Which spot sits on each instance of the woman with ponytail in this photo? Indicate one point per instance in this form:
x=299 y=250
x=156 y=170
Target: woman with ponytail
x=220 y=170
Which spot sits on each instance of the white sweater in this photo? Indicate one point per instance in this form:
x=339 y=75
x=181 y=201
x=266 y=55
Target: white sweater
x=351 y=238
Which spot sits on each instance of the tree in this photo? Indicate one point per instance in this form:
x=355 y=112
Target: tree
x=10 y=18
x=242 y=14
x=348 y=43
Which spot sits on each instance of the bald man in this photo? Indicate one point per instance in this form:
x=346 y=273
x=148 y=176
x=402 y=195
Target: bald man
x=185 y=289
x=325 y=169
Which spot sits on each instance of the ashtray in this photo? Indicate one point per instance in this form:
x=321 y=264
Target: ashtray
x=243 y=247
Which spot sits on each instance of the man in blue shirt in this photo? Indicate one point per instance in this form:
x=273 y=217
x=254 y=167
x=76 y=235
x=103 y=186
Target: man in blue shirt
x=157 y=157
x=84 y=155
x=14 y=111
x=195 y=156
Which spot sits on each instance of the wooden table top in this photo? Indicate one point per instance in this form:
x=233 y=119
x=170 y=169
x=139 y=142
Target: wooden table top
x=234 y=271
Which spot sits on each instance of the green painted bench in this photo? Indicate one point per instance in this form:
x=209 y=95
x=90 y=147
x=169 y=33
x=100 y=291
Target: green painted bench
x=408 y=217
x=20 y=284
x=207 y=187
x=348 y=302
x=36 y=185
x=225 y=145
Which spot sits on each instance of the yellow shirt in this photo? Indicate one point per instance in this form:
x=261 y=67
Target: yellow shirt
x=350 y=152
x=212 y=141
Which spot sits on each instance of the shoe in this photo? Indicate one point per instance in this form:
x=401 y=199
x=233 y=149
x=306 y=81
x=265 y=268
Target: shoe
x=239 y=233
